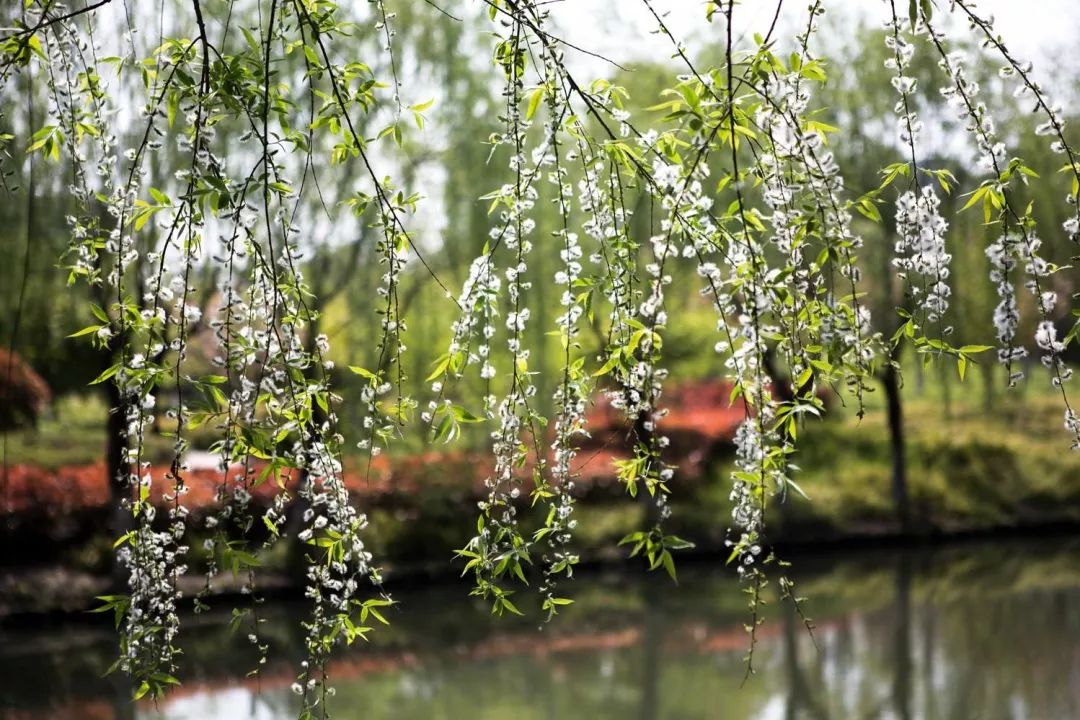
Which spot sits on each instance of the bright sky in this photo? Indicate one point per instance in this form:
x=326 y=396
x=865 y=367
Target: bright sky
x=1033 y=29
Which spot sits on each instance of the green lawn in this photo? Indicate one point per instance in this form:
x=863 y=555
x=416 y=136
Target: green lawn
x=72 y=434
x=969 y=468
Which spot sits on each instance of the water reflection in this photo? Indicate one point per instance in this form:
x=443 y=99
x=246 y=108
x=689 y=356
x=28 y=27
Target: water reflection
x=989 y=632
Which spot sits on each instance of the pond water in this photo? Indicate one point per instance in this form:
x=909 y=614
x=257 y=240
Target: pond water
x=990 y=631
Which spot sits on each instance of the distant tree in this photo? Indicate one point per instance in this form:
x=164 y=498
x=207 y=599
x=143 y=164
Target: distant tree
x=24 y=395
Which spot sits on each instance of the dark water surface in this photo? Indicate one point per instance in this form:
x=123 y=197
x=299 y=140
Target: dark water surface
x=987 y=632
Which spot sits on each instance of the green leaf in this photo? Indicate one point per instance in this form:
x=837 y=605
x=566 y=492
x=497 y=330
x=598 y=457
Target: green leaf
x=611 y=363
x=734 y=554
x=447 y=429
x=669 y=565
x=796 y=487
x=674 y=542
x=108 y=373
x=365 y=373
x=86 y=331
x=441 y=366
x=534 y=102
x=505 y=602
x=974 y=198
x=867 y=208
x=463 y=415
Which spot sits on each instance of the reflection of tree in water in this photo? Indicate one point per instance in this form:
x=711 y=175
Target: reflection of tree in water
x=902 y=642
x=979 y=635
x=800 y=694
x=652 y=650
x=971 y=633
x=1019 y=653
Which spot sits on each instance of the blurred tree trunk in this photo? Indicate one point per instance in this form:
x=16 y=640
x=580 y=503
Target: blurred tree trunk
x=945 y=373
x=987 y=371
x=296 y=555
x=117 y=469
x=122 y=692
x=890 y=380
x=782 y=388
x=894 y=411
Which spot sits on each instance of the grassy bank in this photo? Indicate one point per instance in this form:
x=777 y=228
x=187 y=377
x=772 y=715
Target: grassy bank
x=970 y=469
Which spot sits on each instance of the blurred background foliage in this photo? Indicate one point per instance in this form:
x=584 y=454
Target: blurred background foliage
x=978 y=454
